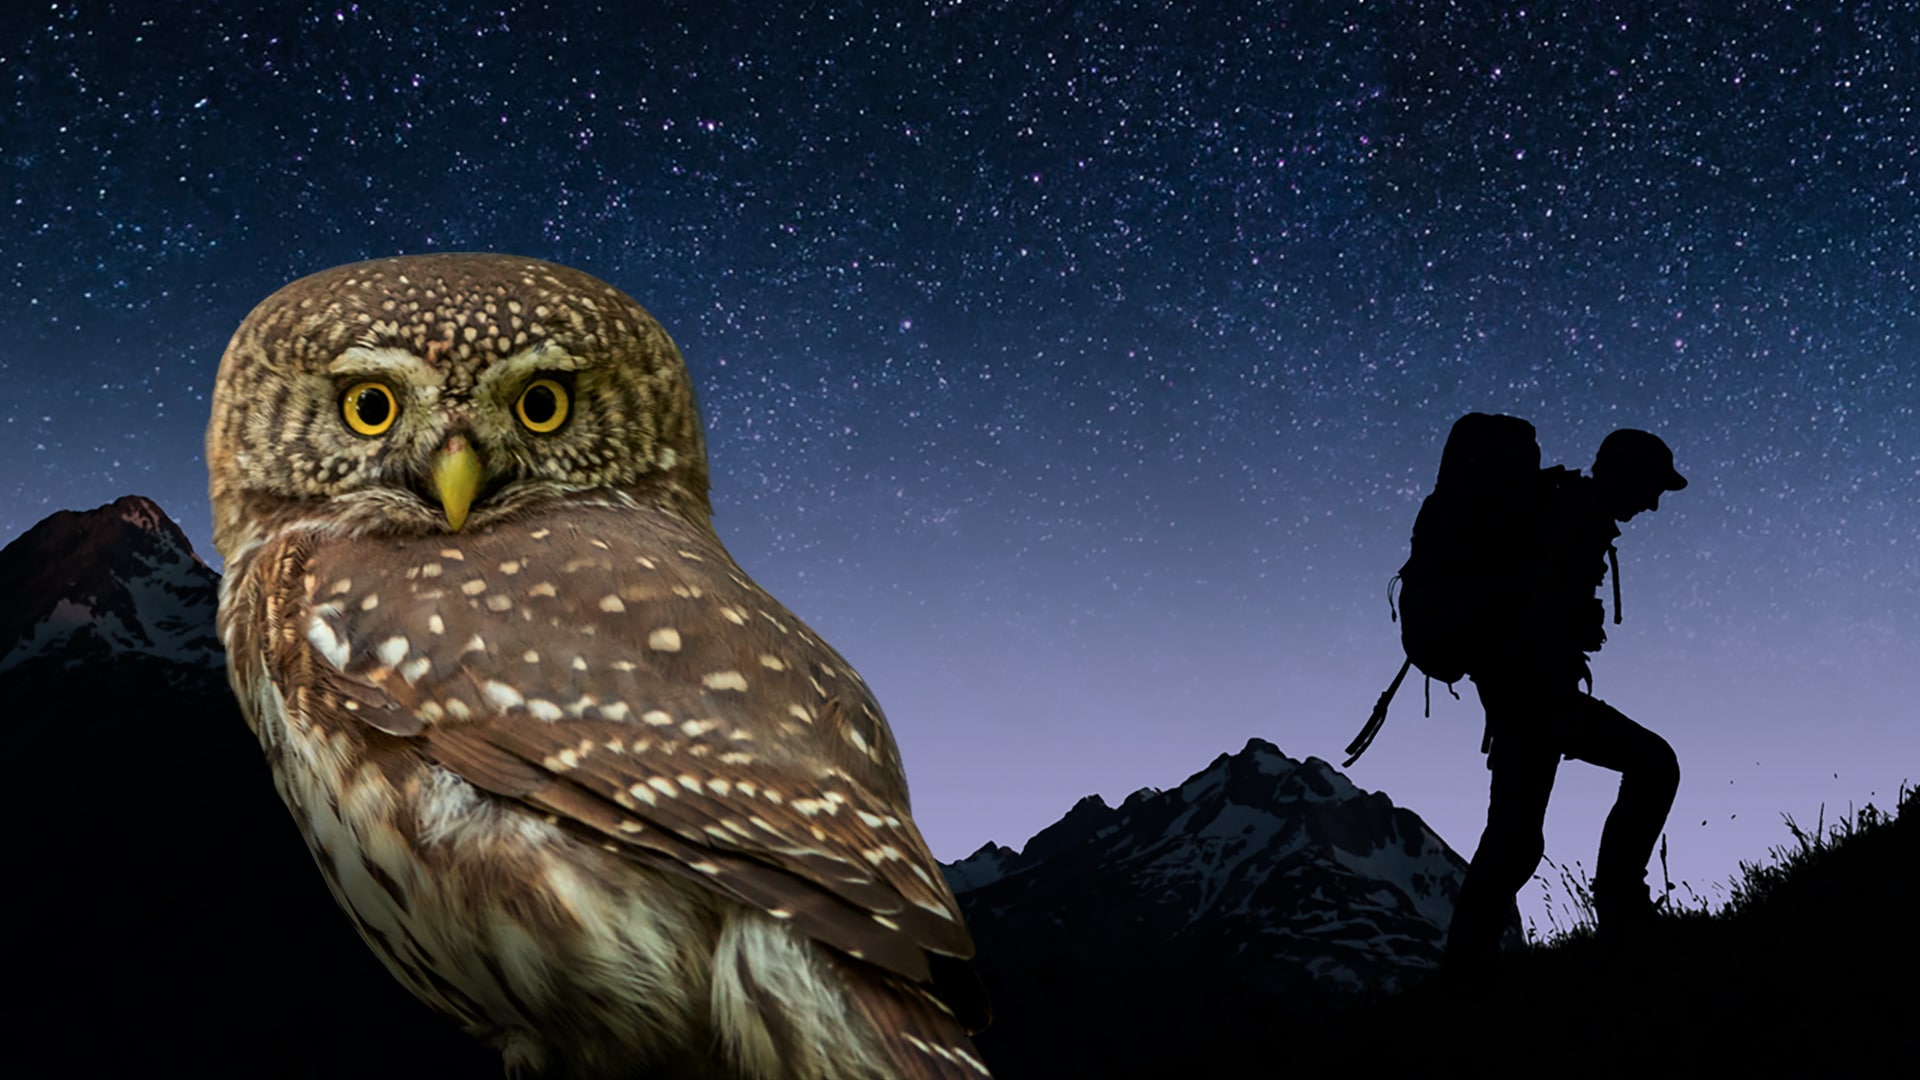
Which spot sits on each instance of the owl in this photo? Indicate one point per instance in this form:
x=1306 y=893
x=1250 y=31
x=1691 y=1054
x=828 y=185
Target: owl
x=578 y=781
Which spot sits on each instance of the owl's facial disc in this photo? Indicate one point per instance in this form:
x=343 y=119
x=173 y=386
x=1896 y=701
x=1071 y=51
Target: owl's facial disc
x=456 y=478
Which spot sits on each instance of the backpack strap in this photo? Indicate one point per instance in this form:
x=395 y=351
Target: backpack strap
x=1374 y=720
x=1613 y=564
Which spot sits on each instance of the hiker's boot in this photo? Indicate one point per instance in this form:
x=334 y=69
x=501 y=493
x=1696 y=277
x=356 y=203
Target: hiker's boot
x=1475 y=940
x=1624 y=912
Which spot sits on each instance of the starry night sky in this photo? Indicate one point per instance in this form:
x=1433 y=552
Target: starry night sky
x=1077 y=369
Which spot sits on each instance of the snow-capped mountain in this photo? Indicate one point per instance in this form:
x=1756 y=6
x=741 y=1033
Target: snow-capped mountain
x=114 y=582
x=1260 y=884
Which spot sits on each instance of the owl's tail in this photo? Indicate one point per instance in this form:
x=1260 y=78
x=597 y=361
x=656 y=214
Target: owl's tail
x=790 y=1008
x=919 y=1034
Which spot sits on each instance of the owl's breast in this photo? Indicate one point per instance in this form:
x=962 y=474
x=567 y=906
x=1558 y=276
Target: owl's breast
x=484 y=911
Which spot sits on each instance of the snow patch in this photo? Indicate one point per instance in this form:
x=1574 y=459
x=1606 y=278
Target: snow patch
x=1197 y=788
x=983 y=867
x=1273 y=764
x=1392 y=863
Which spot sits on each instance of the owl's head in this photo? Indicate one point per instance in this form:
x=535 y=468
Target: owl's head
x=446 y=392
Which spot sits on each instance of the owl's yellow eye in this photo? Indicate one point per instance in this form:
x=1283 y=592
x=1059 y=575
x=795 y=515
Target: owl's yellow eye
x=369 y=408
x=542 y=406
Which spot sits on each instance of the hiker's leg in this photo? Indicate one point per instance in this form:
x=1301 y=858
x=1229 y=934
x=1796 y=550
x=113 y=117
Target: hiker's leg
x=1511 y=846
x=1649 y=777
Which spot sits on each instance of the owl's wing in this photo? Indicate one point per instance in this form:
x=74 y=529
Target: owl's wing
x=614 y=669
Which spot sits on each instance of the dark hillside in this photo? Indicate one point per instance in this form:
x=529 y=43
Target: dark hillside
x=1810 y=971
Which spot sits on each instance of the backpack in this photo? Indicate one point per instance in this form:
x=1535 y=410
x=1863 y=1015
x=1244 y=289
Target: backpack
x=1463 y=581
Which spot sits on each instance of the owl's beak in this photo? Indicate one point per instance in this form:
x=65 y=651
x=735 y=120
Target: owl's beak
x=456 y=479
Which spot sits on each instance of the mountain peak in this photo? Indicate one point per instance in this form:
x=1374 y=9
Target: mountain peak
x=118 y=579
x=1090 y=819
x=144 y=515
x=1259 y=880
x=1261 y=772
x=1279 y=869
x=1258 y=745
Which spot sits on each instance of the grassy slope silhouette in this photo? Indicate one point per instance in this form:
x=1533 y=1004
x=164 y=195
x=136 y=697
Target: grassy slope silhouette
x=1809 y=968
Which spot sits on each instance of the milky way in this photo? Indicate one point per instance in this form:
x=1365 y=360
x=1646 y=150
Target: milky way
x=1077 y=369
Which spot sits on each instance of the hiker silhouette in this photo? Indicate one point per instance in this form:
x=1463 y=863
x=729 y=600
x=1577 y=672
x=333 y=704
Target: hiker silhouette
x=1528 y=673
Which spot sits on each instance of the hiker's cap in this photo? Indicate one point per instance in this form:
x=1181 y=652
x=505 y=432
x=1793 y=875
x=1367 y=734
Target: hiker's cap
x=1631 y=451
